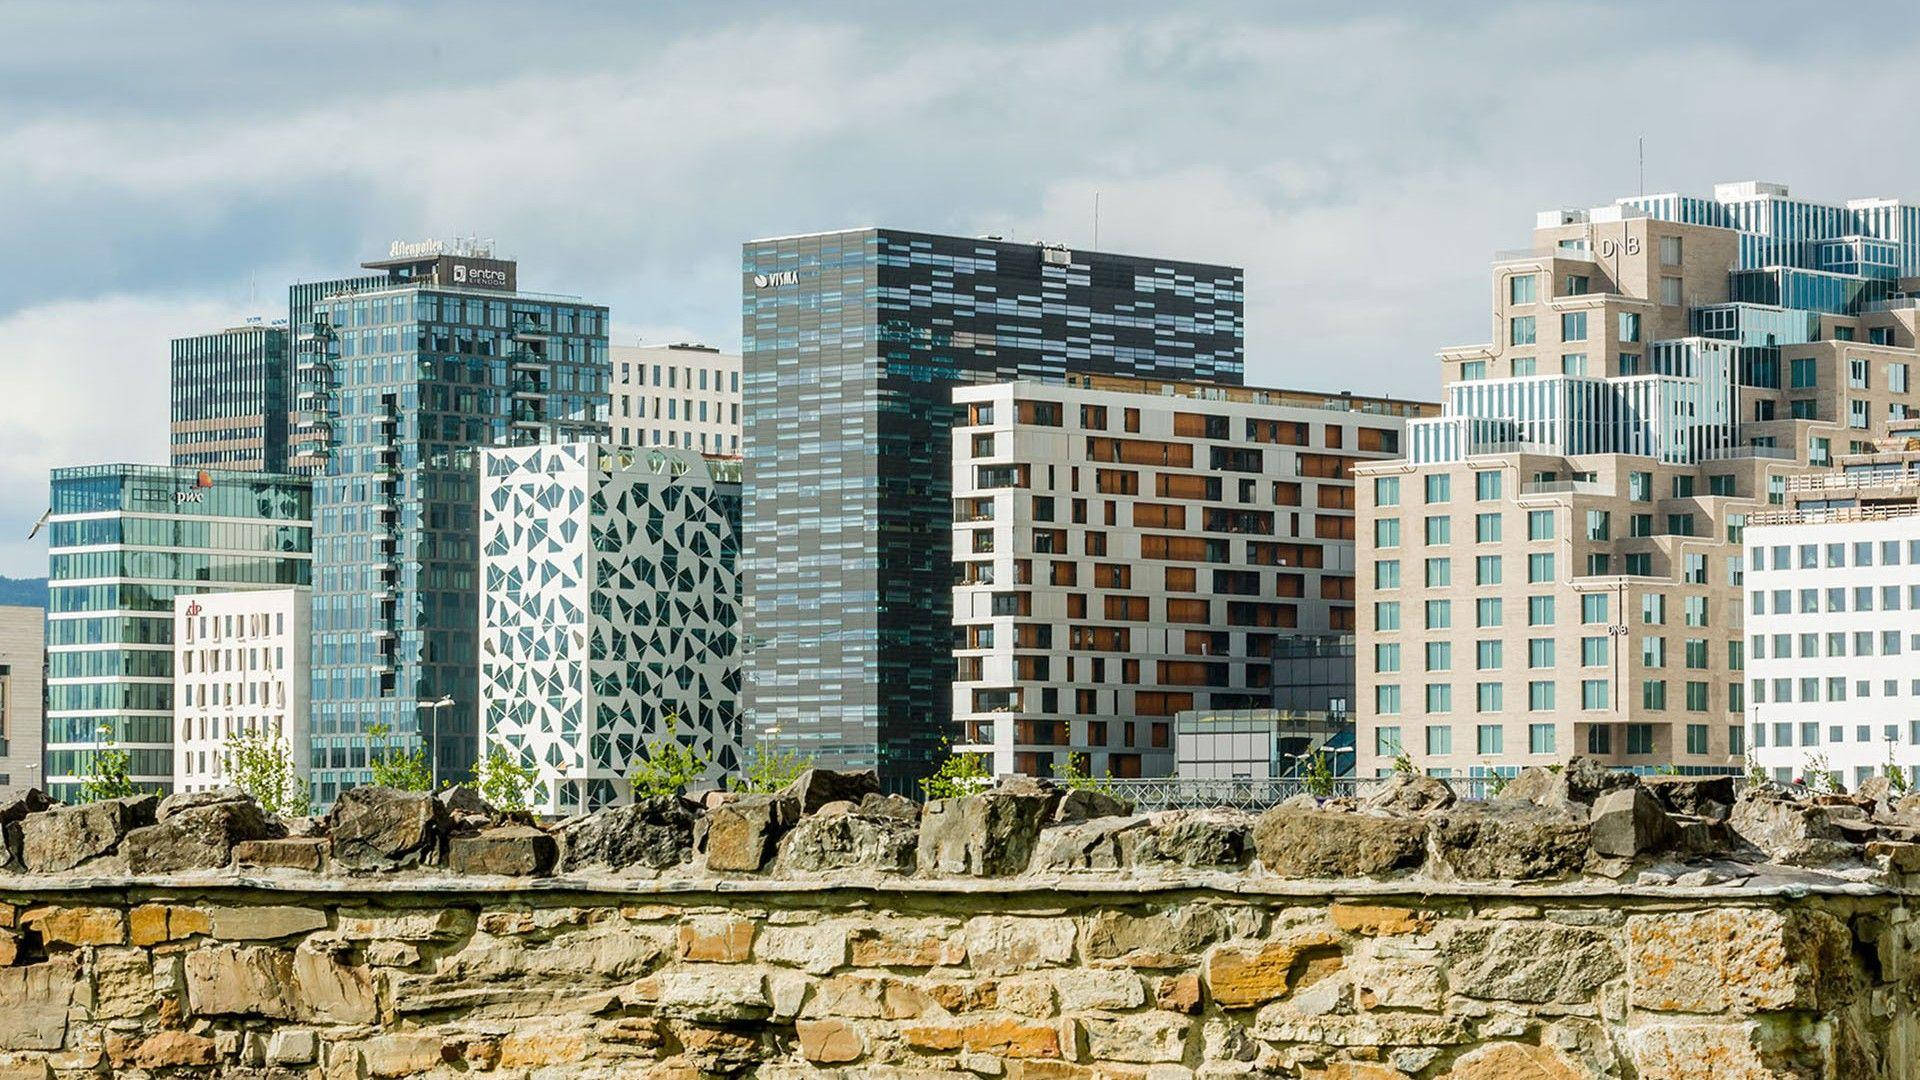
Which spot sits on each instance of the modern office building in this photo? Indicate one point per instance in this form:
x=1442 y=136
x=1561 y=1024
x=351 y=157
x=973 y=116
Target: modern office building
x=853 y=344
x=1833 y=619
x=22 y=671
x=231 y=399
x=1126 y=550
x=685 y=396
x=123 y=541
x=610 y=617
x=1557 y=566
x=240 y=667
x=403 y=379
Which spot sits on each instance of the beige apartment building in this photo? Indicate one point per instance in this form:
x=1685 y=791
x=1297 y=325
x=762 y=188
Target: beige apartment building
x=1556 y=566
x=23 y=660
x=1125 y=550
x=676 y=395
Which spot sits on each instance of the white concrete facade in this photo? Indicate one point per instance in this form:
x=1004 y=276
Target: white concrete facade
x=685 y=396
x=241 y=664
x=1833 y=645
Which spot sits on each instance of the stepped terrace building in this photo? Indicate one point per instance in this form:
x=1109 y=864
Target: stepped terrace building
x=1127 y=549
x=1557 y=565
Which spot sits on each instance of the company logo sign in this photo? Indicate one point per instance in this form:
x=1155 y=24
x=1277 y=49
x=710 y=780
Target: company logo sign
x=784 y=277
x=193 y=609
x=485 y=277
x=1629 y=246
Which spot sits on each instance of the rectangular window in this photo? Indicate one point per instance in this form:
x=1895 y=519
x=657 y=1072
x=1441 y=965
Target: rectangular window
x=1629 y=326
x=1386 y=574
x=1525 y=365
x=1487 y=697
x=1540 y=652
x=1573 y=326
x=1802 y=374
x=1486 y=528
x=1439 y=740
x=1386 y=658
x=1439 y=573
x=1593 y=652
x=1573 y=363
x=1539 y=611
x=1486 y=570
x=1670 y=251
x=1639 y=738
x=1386 y=701
x=1670 y=291
x=1539 y=524
x=1473 y=370
x=1594 y=607
x=1439 y=698
x=1520 y=289
x=1599 y=525
x=1540 y=696
x=1593 y=693
x=1439 y=530
x=1386 y=615
x=1540 y=568
x=1540 y=738
x=1386 y=740
x=1487 y=611
x=1386 y=491
x=1439 y=488
x=1439 y=655
x=1439 y=614
x=1487 y=655
x=1520 y=330
x=1386 y=532
x=1489 y=739
x=1486 y=485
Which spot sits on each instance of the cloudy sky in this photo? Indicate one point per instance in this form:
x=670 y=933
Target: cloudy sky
x=168 y=168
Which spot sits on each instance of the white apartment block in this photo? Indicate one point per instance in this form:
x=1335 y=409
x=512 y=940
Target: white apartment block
x=1833 y=623
x=240 y=666
x=610 y=595
x=1128 y=550
x=685 y=396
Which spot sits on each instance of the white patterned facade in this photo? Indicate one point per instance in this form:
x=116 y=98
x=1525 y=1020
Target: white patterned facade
x=609 y=613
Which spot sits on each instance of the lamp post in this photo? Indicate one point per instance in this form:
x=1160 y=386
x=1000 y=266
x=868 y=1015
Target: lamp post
x=433 y=739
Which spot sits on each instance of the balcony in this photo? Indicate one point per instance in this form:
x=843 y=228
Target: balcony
x=1877 y=478
x=1565 y=487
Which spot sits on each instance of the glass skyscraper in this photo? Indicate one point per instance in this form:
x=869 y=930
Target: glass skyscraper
x=401 y=378
x=230 y=400
x=852 y=345
x=123 y=541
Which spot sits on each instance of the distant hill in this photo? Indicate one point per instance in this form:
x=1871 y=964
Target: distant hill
x=26 y=592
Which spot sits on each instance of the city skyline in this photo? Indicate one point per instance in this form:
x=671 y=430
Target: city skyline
x=158 y=221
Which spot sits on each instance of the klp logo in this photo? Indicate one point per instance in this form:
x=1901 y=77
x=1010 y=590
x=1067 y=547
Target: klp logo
x=193 y=609
x=784 y=277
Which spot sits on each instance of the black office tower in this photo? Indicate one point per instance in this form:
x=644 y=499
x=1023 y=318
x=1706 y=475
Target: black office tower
x=852 y=344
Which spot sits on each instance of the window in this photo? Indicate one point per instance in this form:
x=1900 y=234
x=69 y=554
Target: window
x=1520 y=330
x=1695 y=610
x=1386 y=740
x=1594 y=607
x=1540 y=697
x=1386 y=658
x=1695 y=568
x=1573 y=326
x=1487 y=611
x=1540 y=652
x=1473 y=370
x=1439 y=530
x=1802 y=374
x=1489 y=739
x=1487 y=655
x=1639 y=738
x=1629 y=326
x=1670 y=251
x=1540 y=568
x=1721 y=484
x=1576 y=285
x=1486 y=485
x=1653 y=652
x=1439 y=573
x=1386 y=702
x=1640 y=486
x=1539 y=611
x=1439 y=488
x=1486 y=570
x=1439 y=740
x=1697 y=702
x=1540 y=738
x=1386 y=615
x=1487 y=697
x=1593 y=695
x=1539 y=524
x=1439 y=655
x=1897 y=378
x=1439 y=698
x=1525 y=365
x=1599 y=525
x=1386 y=532
x=1386 y=491
x=1856 y=373
x=1653 y=608
x=1573 y=363
x=1520 y=289
x=1386 y=574
x=1670 y=291
x=1593 y=652
x=1486 y=528
x=1439 y=614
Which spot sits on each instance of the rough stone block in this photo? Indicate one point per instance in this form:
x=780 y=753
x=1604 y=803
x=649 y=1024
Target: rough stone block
x=1739 y=960
x=290 y=853
x=67 y=836
x=903 y=944
x=655 y=834
x=1530 y=963
x=987 y=835
x=830 y=1042
x=37 y=998
x=1627 y=822
x=716 y=939
x=851 y=840
x=1410 y=793
x=1217 y=838
x=815 y=949
x=505 y=850
x=1141 y=1037
x=1506 y=842
x=1008 y=943
x=77 y=925
x=264 y=922
x=1243 y=976
x=1297 y=842
x=376 y=828
x=815 y=788
x=741 y=834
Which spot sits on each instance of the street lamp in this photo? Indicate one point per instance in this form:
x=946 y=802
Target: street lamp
x=433 y=739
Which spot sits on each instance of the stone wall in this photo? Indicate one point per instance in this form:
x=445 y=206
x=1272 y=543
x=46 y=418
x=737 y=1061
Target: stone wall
x=1580 y=925
x=957 y=979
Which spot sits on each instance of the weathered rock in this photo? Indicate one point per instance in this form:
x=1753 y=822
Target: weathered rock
x=37 y=998
x=1298 y=843
x=1709 y=797
x=1629 y=821
x=197 y=836
x=181 y=801
x=378 y=828
x=741 y=834
x=1410 y=793
x=1790 y=831
x=1579 y=782
x=1218 y=838
x=655 y=833
x=1505 y=842
x=1564 y=965
x=863 y=840
x=463 y=799
x=1516 y=1061
x=290 y=853
x=66 y=836
x=1739 y=960
x=14 y=810
x=1242 y=976
x=508 y=850
x=991 y=834
x=1083 y=804
x=898 y=806
x=815 y=788
x=1085 y=844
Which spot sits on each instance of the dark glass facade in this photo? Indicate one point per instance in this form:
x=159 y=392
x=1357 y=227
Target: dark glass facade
x=404 y=379
x=229 y=400
x=123 y=541
x=852 y=344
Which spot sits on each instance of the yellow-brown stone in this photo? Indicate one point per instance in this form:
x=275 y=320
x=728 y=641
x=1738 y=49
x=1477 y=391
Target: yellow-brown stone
x=1379 y=920
x=1004 y=1035
x=152 y=924
x=77 y=925
x=1515 y=1061
x=1241 y=976
x=909 y=946
x=1179 y=993
x=829 y=1042
x=718 y=940
x=534 y=1049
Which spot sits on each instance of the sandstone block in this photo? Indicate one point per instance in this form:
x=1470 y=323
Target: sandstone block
x=37 y=998
x=1008 y=943
x=1504 y=841
x=1084 y=845
x=829 y=1042
x=1243 y=976
x=1405 y=793
x=713 y=994
x=1380 y=920
x=1098 y=988
x=376 y=828
x=1398 y=983
x=505 y=850
x=856 y=840
x=1213 y=838
x=265 y=922
x=1296 y=842
x=1178 y=993
x=815 y=788
x=816 y=949
x=292 y=1046
x=173 y=1050
x=1739 y=960
x=1138 y=1037
x=1576 y=784
x=1738 y=1050
x=909 y=945
x=1710 y=797
x=1789 y=831
x=1004 y=1036
x=401 y=1054
x=122 y=984
x=1170 y=938
x=77 y=925
x=717 y=939
x=1515 y=1061
x=654 y=833
x=1628 y=821
x=194 y=837
x=1530 y=963
x=290 y=853
x=1084 y=804
x=740 y=834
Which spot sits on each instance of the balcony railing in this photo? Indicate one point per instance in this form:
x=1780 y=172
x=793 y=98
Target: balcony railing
x=1832 y=514
x=1565 y=487
x=1735 y=453
x=1849 y=481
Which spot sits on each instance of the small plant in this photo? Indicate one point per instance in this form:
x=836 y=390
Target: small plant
x=1076 y=775
x=668 y=766
x=1755 y=774
x=109 y=773
x=405 y=770
x=959 y=774
x=1403 y=764
x=1896 y=776
x=262 y=766
x=502 y=781
x=1820 y=775
x=769 y=772
x=1496 y=781
x=1319 y=772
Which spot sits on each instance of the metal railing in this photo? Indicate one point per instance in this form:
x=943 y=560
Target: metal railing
x=1831 y=514
x=1845 y=481
x=1186 y=793
x=1565 y=487
x=1732 y=453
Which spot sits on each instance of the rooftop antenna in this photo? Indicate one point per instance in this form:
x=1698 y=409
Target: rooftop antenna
x=1096 y=221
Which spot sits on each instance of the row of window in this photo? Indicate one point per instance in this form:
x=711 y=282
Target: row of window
x=1541 y=610
x=1490 y=697
x=1489 y=654
x=1836 y=644
x=677 y=377
x=1809 y=556
x=1862 y=596
x=1835 y=687
x=1782 y=735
